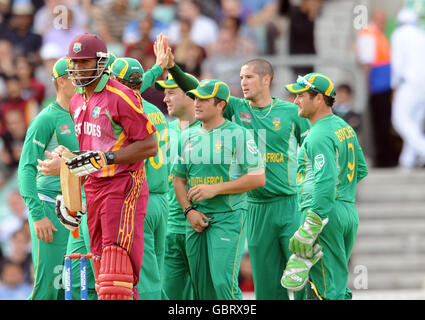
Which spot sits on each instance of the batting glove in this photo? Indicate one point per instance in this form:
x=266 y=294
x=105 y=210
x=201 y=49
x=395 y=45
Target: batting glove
x=70 y=221
x=303 y=240
x=297 y=270
x=86 y=162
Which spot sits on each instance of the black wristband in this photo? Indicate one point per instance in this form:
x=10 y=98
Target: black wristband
x=187 y=209
x=110 y=158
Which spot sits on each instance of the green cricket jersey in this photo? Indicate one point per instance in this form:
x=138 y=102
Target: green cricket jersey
x=221 y=154
x=53 y=126
x=157 y=167
x=331 y=163
x=176 y=218
x=278 y=131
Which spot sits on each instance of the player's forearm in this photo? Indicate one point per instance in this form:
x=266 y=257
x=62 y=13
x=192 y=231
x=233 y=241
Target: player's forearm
x=28 y=189
x=180 y=190
x=185 y=82
x=137 y=151
x=150 y=76
x=247 y=182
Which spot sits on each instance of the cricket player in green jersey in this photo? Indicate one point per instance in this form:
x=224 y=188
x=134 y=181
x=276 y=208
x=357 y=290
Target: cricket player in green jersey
x=331 y=163
x=50 y=239
x=177 y=282
x=273 y=211
x=129 y=71
x=220 y=163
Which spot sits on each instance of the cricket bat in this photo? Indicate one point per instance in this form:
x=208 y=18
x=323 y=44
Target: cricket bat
x=71 y=188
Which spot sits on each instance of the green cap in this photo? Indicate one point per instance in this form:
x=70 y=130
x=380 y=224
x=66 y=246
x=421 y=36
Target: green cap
x=60 y=68
x=111 y=58
x=313 y=81
x=170 y=83
x=210 y=88
x=123 y=68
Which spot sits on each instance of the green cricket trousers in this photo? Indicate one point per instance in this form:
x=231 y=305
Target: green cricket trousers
x=215 y=254
x=330 y=274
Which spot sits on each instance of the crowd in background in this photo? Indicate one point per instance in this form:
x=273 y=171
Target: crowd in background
x=207 y=36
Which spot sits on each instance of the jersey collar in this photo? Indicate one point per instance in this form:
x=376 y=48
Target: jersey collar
x=100 y=85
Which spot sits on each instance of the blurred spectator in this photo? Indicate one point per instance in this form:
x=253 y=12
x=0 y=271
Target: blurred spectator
x=204 y=30
x=373 y=54
x=301 y=31
x=142 y=49
x=234 y=9
x=160 y=19
x=242 y=44
x=262 y=14
x=407 y=70
x=343 y=107
x=17 y=217
x=111 y=22
x=246 y=283
x=32 y=89
x=13 y=137
x=19 y=31
x=14 y=100
x=6 y=62
x=6 y=66
x=50 y=53
x=187 y=53
x=225 y=60
x=12 y=282
x=59 y=22
x=17 y=249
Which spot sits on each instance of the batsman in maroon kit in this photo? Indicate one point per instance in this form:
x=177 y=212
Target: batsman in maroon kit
x=114 y=137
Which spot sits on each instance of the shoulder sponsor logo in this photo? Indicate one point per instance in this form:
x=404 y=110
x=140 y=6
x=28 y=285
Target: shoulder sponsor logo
x=64 y=129
x=319 y=161
x=245 y=117
x=38 y=143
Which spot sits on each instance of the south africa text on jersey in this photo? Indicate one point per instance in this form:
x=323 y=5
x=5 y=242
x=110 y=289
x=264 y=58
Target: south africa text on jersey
x=205 y=180
x=90 y=129
x=273 y=157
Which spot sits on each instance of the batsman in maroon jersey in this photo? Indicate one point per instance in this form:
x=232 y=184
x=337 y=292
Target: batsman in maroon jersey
x=114 y=137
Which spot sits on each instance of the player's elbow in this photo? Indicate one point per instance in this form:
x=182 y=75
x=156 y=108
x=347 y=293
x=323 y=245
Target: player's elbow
x=152 y=149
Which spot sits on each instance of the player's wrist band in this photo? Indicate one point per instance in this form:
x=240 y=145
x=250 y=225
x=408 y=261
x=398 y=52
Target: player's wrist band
x=187 y=209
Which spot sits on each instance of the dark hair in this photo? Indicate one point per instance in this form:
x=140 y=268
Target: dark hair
x=134 y=85
x=329 y=101
x=218 y=100
x=261 y=67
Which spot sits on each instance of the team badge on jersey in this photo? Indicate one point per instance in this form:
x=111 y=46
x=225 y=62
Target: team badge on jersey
x=219 y=146
x=300 y=177
x=319 y=161
x=77 y=47
x=276 y=123
x=96 y=112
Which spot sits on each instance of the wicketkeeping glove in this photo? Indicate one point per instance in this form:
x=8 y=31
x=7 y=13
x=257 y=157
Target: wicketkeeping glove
x=86 y=162
x=70 y=221
x=297 y=269
x=303 y=240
